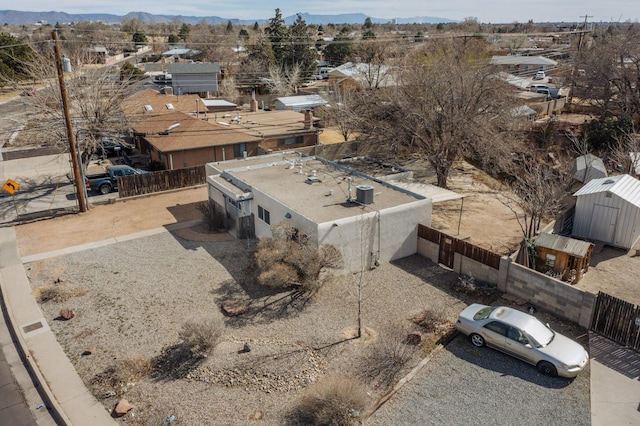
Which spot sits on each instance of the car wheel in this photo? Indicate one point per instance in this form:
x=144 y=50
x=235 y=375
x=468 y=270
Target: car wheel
x=547 y=368
x=104 y=189
x=477 y=340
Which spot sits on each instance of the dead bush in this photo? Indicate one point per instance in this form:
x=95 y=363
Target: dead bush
x=116 y=378
x=433 y=320
x=291 y=259
x=387 y=357
x=212 y=218
x=61 y=293
x=201 y=336
x=335 y=400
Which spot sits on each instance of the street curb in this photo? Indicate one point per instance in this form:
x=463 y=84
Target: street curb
x=42 y=385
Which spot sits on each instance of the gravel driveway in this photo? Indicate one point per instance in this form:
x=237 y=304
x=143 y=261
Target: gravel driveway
x=468 y=385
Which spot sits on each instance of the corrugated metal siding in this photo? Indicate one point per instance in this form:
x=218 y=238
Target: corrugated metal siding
x=591 y=222
x=624 y=186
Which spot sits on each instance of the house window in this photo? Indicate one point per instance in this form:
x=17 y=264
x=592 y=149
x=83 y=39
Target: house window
x=291 y=141
x=239 y=149
x=264 y=215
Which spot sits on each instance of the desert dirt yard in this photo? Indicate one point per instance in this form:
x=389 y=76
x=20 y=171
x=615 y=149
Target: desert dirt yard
x=132 y=295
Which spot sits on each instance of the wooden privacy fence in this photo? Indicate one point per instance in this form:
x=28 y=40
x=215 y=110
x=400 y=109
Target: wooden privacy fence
x=165 y=180
x=617 y=320
x=450 y=245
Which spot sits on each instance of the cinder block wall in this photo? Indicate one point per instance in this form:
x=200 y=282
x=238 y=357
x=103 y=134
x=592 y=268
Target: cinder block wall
x=540 y=290
x=548 y=293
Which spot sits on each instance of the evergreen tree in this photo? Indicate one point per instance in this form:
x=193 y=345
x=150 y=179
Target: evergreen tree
x=278 y=35
x=300 y=52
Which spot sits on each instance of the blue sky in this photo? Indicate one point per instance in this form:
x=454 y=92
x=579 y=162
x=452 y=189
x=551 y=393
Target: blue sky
x=495 y=11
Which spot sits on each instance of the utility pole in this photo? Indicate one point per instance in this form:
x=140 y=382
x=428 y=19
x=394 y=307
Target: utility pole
x=77 y=176
x=584 y=29
x=582 y=33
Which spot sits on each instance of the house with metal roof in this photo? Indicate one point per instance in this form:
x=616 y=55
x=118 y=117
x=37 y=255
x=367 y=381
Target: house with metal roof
x=523 y=65
x=361 y=76
x=368 y=220
x=195 y=77
x=299 y=103
x=608 y=211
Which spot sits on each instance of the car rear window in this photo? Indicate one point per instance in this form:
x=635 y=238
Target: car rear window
x=483 y=313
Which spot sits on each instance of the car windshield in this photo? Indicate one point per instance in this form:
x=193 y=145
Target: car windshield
x=483 y=313
x=540 y=335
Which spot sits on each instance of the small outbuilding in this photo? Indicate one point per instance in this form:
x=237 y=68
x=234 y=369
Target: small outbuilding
x=588 y=167
x=569 y=258
x=299 y=103
x=608 y=211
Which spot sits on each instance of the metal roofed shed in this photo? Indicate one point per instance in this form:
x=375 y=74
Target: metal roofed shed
x=299 y=103
x=568 y=257
x=608 y=211
x=588 y=167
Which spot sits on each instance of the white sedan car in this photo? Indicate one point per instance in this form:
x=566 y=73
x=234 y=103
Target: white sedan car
x=524 y=337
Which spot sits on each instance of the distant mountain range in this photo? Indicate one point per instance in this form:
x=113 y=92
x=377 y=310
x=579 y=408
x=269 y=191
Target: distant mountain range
x=15 y=17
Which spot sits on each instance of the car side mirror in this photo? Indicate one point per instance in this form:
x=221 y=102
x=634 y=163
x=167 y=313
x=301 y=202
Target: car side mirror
x=528 y=346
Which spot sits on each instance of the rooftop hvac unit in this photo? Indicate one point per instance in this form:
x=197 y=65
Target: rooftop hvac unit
x=364 y=194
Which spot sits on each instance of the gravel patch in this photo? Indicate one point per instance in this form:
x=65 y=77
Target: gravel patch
x=140 y=292
x=463 y=384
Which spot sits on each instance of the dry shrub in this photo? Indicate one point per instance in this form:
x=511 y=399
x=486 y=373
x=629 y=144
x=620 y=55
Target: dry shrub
x=335 y=400
x=330 y=257
x=117 y=377
x=60 y=293
x=433 y=320
x=291 y=259
x=279 y=275
x=201 y=336
x=387 y=357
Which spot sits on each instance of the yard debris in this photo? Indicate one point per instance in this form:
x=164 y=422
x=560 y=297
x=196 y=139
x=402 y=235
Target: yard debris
x=122 y=407
x=232 y=308
x=66 y=314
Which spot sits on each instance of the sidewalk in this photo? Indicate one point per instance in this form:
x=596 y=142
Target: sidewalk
x=64 y=392
x=615 y=383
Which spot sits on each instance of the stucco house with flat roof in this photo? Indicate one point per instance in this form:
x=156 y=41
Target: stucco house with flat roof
x=367 y=219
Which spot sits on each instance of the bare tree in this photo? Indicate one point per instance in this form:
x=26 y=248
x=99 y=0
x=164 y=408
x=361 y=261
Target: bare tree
x=447 y=101
x=284 y=81
x=95 y=97
x=536 y=194
x=626 y=152
x=339 y=114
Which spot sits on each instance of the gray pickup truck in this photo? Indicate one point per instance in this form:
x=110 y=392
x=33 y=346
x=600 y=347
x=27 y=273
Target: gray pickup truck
x=104 y=183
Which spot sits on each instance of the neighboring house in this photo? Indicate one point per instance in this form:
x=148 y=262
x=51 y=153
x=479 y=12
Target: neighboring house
x=179 y=132
x=608 y=211
x=179 y=140
x=195 y=77
x=180 y=52
x=524 y=65
x=368 y=220
x=588 y=167
x=361 y=76
x=299 y=103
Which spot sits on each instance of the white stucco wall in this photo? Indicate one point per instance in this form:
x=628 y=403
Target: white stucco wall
x=384 y=236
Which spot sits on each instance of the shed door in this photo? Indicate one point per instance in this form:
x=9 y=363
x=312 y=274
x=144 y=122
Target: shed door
x=603 y=223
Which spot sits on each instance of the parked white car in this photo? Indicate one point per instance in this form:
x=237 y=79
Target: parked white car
x=539 y=75
x=524 y=337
